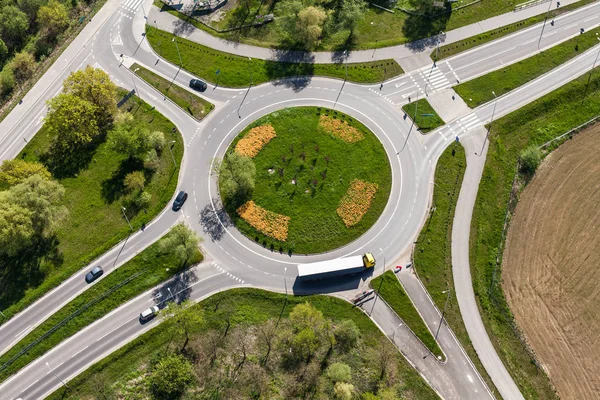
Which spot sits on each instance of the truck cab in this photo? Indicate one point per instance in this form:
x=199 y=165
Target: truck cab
x=369 y=260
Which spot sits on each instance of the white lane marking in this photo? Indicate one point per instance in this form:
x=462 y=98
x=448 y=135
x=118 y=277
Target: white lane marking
x=570 y=26
x=23 y=332
x=529 y=41
x=36 y=381
x=79 y=351
x=590 y=18
x=486 y=58
x=550 y=34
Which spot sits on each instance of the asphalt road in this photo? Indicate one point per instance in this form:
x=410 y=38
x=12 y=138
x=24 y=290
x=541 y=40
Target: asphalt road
x=412 y=157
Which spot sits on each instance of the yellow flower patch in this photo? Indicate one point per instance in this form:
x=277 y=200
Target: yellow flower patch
x=340 y=129
x=255 y=140
x=270 y=223
x=356 y=202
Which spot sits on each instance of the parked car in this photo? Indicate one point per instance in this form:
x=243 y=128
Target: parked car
x=94 y=274
x=179 y=200
x=149 y=313
x=198 y=85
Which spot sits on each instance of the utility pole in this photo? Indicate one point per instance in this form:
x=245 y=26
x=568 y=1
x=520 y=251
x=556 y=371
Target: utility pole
x=491 y=121
x=127 y=219
x=443 y=312
x=57 y=377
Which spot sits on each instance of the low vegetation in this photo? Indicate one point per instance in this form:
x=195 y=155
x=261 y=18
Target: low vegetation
x=237 y=71
x=114 y=161
x=152 y=266
x=423 y=115
x=479 y=90
x=196 y=106
x=292 y=192
x=533 y=124
x=390 y=289
x=248 y=343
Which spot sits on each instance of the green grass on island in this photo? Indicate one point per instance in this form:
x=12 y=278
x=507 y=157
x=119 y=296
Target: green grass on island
x=323 y=167
x=390 y=289
x=552 y=115
x=479 y=90
x=143 y=272
x=196 y=106
x=451 y=49
x=94 y=198
x=238 y=71
x=242 y=351
x=432 y=253
x=427 y=119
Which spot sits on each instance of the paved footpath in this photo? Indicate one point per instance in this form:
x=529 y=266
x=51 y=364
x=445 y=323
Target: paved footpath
x=170 y=23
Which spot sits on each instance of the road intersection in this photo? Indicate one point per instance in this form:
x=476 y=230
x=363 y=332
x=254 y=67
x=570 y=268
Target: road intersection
x=234 y=259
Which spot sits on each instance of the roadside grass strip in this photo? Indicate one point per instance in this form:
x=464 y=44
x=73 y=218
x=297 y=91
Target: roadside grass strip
x=423 y=115
x=534 y=124
x=237 y=71
x=340 y=129
x=144 y=271
x=253 y=141
x=196 y=106
x=356 y=202
x=479 y=90
x=267 y=222
x=390 y=290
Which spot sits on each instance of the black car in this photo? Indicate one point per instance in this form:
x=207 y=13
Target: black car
x=179 y=200
x=94 y=274
x=198 y=85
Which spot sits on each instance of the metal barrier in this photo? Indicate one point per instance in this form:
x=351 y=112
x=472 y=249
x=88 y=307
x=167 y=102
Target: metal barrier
x=528 y=4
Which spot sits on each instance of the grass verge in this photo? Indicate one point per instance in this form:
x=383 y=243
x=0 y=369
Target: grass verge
x=485 y=37
x=390 y=289
x=237 y=71
x=533 y=124
x=479 y=90
x=423 y=115
x=94 y=199
x=196 y=106
x=150 y=267
x=433 y=257
x=248 y=310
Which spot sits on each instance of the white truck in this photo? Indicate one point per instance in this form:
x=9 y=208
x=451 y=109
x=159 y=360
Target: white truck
x=337 y=267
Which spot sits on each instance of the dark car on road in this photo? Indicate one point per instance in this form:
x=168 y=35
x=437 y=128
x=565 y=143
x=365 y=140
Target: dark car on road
x=179 y=200
x=198 y=85
x=94 y=274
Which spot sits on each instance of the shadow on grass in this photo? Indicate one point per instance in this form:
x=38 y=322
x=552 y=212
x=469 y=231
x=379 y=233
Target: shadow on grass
x=291 y=68
x=422 y=31
x=114 y=188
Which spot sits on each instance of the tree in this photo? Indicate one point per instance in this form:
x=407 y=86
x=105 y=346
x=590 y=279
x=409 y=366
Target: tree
x=181 y=241
x=7 y=81
x=13 y=26
x=305 y=316
x=310 y=25
x=30 y=7
x=134 y=181
x=151 y=160
x=3 y=51
x=343 y=391
x=171 y=376
x=424 y=7
x=339 y=372
x=95 y=86
x=346 y=334
x=156 y=140
x=350 y=13
x=17 y=170
x=287 y=20
x=237 y=176
x=530 y=159
x=53 y=19
x=23 y=66
x=132 y=139
x=143 y=200
x=16 y=228
x=304 y=344
x=185 y=318
x=71 y=121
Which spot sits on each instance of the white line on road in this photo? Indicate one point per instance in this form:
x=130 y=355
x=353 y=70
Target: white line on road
x=590 y=18
x=570 y=26
x=79 y=351
x=550 y=34
x=22 y=332
x=36 y=381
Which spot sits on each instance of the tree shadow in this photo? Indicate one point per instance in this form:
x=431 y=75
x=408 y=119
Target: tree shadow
x=182 y=27
x=215 y=221
x=291 y=68
x=178 y=289
x=114 y=188
x=422 y=31
x=68 y=162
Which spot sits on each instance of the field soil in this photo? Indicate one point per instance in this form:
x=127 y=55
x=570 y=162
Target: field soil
x=551 y=271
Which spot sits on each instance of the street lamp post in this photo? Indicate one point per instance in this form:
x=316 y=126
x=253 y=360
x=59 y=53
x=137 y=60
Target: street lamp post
x=170 y=151
x=57 y=377
x=127 y=219
x=180 y=62
x=171 y=293
x=591 y=70
x=250 y=69
x=133 y=80
x=544 y=25
x=491 y=121
x=379 y=289
x=285 y=281
x=437 y=50
x=346 y=63
x=394 y=333
x=443 y=312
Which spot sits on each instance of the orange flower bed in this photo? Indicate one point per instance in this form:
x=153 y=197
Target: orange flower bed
x=267 y=222
x=356 y=202
x=255 y=140
x=340 y=129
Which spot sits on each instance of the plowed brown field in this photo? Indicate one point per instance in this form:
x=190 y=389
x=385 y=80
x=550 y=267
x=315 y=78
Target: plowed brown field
x=551 y=267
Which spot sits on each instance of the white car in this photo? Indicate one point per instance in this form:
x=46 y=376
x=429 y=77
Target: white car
x=149 y=313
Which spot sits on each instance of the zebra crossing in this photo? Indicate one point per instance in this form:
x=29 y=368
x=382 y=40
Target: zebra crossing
x=235 y=278
x=435 y=78
x=459 y=127
x=129 y=8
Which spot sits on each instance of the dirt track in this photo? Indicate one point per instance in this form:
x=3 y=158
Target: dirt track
x=551 y=268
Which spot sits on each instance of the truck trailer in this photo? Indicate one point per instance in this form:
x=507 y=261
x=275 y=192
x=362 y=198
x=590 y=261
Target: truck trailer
x=337 y=267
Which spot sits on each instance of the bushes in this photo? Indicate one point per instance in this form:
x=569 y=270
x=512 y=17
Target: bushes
x=530 y=159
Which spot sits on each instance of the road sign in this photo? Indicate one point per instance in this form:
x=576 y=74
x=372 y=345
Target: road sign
x=218 y=71
x=426 y=115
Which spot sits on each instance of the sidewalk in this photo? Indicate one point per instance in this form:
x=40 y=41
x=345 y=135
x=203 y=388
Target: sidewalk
x=419 y=49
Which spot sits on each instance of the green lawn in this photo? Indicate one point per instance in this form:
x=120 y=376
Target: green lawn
x=196 y=106
x=94 y=198
x=474 y=41
x=432 y=254
x=533 y=124
x=236 y=71
x=145 y=270
x=247 y=311
x=390 y=289
x=479 y=90
x=314 y=225
x=426 y=117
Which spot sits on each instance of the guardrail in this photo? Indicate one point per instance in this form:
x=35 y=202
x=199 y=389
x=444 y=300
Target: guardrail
x=528 y=4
